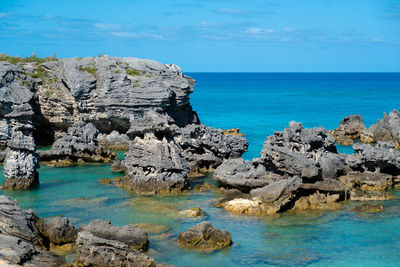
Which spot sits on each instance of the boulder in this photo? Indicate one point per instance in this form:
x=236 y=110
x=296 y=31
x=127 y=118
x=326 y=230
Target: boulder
x=131 y=235
x=92 y=250
x=204 y=236
x=58 y=230
x=118 y=166
x=368 y=181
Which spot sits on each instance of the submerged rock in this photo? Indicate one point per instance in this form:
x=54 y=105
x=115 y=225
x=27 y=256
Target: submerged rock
x=351 y=127
x=369 y=208
x=204 y=236
x=194 y=212
x=92 y=250
x=131 y=235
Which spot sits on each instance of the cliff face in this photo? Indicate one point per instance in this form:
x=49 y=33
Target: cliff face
x=105 y=90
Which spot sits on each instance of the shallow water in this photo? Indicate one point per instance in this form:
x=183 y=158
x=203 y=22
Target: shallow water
x=338 y=238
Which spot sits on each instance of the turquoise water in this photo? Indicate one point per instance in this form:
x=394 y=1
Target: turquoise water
x=259 y=104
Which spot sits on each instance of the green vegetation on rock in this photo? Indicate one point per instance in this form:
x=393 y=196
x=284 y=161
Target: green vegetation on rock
x=33 y=59
x=133 y=72
x=91 y=70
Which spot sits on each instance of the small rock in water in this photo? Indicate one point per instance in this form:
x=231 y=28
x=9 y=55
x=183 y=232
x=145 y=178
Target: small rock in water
x=204 y=236
x=105 y=181
x=194 y=212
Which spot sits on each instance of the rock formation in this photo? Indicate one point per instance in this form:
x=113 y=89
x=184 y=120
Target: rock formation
x=92 y=250
x=161 y=154
x=204 y=236
x=21 y=161
x=351 y=127
x=385 y=130
x=131 y=235
x=114 y=141
x=21 y=240
x=80 y=143
x=300 y=169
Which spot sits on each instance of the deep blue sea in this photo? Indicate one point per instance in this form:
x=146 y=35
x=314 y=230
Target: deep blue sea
x=258 y=103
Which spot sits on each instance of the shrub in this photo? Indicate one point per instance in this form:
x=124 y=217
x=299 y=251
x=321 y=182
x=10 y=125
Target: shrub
x=133 y=72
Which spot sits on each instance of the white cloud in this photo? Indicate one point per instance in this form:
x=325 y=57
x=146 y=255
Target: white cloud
x=259 y=31
x=129 y=35
x=106 y=26
x=377 y=40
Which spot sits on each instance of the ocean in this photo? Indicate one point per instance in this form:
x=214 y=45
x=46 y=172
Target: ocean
x=258 y=104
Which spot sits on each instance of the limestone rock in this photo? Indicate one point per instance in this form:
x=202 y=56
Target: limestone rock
x=57 y=229
x=351 y=127
x=114 y=141
x=155 y=166
x=243 y=175
x=118 y=166
x=385 y=130
x=368 y=181
x=204 y=236
x=95 y=251
x=369 y=208
x=131 y=235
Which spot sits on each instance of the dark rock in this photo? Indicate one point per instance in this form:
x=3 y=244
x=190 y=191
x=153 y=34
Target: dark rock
x=92 y=250
x=57 y=229
x=204 y=236
x=131 y=235
x=382 y=158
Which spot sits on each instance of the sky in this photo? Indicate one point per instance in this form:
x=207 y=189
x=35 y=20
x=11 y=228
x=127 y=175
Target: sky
x=212 y=36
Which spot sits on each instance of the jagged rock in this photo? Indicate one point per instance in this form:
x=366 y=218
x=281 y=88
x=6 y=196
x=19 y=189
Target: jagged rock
x=95 y=251
x=57 y=229
x=349 y=128
x=243 y=175
x=16 y=252
x=204 y=236
x=358 y=195
x=131 y=235
x=233 y=131
x=332 y=165
x=18 y=222
x=206 y=147
x=80 y=143
x=152 y=122
x=228 y=195
x=4 y=133
x=114 y=141
x=385 y=130
x=382 y=158
x=155 y=166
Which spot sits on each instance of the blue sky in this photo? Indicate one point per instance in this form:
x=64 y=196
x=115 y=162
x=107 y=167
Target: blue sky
x=218 y=35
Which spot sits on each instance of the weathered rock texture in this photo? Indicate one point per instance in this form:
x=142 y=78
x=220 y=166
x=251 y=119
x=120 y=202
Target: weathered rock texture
x=351 y=127
x=104 y=90
x=21 y=240
x=130 y=234
x=385 y=130
x=162 y=154
x=21 y=161
x=204 y=236
x=80 y=143
x=92 y=250
x=300 y=169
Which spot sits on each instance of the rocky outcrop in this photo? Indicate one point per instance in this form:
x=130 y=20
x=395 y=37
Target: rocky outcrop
x=80 y=143
x=103 y=90
x=351 y=127
x=131 y=235
x=21 y=240
x=21 y=161
x=92 y=250
x=204 y=236
x=385 y=130
x=162 y=154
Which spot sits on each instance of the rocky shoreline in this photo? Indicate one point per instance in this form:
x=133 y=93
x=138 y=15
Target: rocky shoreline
x=85 y=107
